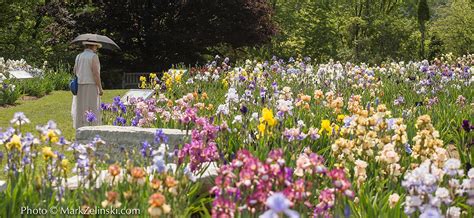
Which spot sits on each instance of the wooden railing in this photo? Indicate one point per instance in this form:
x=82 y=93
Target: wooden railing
x=132 y=80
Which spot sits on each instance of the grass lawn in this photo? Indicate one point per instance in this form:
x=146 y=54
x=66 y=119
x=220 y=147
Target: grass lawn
x=56 y=107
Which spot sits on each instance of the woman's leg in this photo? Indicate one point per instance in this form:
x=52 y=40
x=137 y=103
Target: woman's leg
x=88 y=99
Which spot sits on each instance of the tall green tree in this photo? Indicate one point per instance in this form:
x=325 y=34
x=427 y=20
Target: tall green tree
x=454 y=27
x=155 y=34
x=35 y=30
x=423 y=17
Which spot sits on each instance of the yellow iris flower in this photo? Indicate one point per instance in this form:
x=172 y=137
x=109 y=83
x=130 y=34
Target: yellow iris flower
x=225 y=83
x=48 y=153
x=341 y=117
x=326 y=126
x=267 y=116
x=266 y=119
x=52 y=136
x=65 y=164
x=178 y=78
x=168 y=83
x=15 y=142
x=261 y=128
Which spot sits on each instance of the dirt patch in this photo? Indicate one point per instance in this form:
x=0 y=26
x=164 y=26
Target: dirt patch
x=23 y=98
x=9 y=105
x=28 y=98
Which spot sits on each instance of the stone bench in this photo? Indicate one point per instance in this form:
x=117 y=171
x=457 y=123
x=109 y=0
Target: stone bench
x=127 y=135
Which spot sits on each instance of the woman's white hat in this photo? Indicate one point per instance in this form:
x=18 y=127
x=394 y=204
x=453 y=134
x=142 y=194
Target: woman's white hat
x=92 y=43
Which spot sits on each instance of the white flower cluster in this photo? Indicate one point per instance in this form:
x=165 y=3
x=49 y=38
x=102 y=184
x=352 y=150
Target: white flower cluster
x=11 y=65
x=427 y=194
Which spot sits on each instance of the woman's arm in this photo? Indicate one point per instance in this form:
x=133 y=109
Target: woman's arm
x=96 y=72
x=75 y=65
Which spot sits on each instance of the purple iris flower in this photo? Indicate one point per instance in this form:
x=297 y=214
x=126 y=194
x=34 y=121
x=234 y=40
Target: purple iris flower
x=145 y=148
x=347 y=211
x=277 y=204
x=28 y=139
x=158 y=164
x=119 y=121
x=408 y=149
x=431 y=213
x=123 y=108
x=244 y=109
x=252 y=85
x=90 y=116
x=60 y=155
x=63 y=141
x=347 y=121
x=467 y=126
x=160 y=137
x=117 y=99
x=105 y=107
x=274 y=85
x=136 y=120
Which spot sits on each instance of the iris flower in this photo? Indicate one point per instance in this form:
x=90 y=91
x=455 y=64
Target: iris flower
x=326 y=126
x=90 y=116
x=19 y=118
x=277 y=204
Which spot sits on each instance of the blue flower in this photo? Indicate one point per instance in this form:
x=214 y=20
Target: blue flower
x=145 y=148
x=135 y=121
x=347 y=211
x=119 y=121
x=25 y=160
x=277 y=204
x=431 y=213
x=244 y=109
x=123 y=108
x=158 y=164
x=390 y=123
x=160 y=137
x=97 y=140
x=104 y=106
x=90 y=116
x=408 y=149
x=62 y=141
x=117 y=99
x=348 y=120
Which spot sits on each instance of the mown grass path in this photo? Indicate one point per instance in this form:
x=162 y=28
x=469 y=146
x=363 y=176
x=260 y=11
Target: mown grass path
x=56 y=107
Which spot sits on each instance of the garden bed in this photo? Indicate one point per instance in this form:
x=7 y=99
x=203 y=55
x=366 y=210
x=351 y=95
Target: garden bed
x=290 y=137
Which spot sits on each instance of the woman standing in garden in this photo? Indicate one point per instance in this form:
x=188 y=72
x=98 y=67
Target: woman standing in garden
x=86 y=105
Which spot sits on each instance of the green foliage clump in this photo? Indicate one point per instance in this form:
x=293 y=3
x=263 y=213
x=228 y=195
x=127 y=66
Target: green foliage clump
x=8 y=93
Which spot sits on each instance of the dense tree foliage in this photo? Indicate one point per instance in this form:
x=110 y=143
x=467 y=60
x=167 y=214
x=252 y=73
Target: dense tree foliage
x=156 y=34
x=371 y=31
x=169 y=31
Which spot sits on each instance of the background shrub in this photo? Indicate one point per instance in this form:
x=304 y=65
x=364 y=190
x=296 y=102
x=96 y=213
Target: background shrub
x=33 y=87
x=8 y=93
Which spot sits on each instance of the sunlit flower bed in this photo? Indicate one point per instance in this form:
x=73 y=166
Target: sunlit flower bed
x=290 y=138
